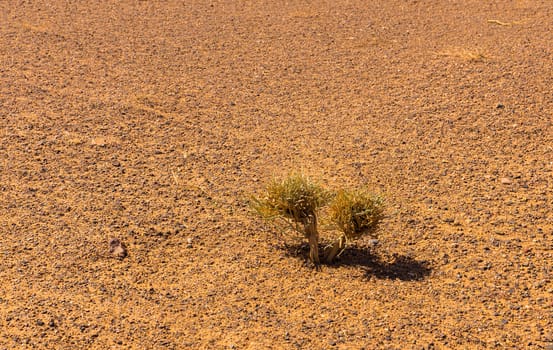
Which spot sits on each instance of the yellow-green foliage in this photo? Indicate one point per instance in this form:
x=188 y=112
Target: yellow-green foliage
x=297 y=200
x=356 y=212
x=295 y=197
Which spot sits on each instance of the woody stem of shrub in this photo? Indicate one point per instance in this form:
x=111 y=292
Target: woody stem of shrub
x=335 y=248
x=310 y=226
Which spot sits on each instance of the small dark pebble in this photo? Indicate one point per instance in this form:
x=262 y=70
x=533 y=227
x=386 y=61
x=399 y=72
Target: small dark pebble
x=373 y=242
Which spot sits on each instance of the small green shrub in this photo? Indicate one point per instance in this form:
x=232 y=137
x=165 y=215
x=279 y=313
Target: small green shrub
x=356 y=213
x=298 y=200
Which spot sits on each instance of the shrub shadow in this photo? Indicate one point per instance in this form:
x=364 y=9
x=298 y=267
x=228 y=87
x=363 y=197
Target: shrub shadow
x=396 y=267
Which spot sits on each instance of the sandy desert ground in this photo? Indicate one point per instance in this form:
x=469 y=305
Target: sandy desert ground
x=155 y=121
